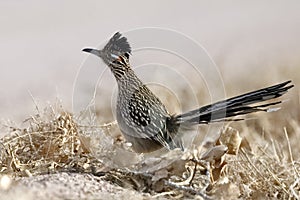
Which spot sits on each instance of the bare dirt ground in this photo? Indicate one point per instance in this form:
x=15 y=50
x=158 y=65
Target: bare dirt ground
x=67 y=186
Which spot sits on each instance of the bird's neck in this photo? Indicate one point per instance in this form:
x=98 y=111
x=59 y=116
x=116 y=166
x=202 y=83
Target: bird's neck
x=128 y=81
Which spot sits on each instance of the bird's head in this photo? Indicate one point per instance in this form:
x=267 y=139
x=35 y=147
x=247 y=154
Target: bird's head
x=115 y=54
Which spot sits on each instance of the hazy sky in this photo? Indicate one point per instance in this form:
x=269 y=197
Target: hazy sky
x=41 y=42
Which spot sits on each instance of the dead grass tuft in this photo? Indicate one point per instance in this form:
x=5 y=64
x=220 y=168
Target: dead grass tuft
x=52 y=142
x=265 y=172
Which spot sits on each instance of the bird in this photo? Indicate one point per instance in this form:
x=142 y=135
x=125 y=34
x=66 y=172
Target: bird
x=144 y=120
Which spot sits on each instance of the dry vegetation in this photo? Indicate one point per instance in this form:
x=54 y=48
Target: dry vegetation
x=57 y=147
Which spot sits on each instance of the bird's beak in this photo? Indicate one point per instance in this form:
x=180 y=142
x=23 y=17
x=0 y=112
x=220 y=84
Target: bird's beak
x=92 y=51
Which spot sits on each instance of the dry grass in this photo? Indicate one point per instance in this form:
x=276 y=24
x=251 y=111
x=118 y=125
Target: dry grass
x=55 y=141
x=52 y=142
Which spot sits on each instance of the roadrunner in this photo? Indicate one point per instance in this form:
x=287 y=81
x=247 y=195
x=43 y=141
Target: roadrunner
x=143 y=118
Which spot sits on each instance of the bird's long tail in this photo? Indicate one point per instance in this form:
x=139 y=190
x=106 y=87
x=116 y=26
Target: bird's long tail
x=235 y=106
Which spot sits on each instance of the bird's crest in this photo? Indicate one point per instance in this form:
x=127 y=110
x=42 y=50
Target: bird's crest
x=116 y=46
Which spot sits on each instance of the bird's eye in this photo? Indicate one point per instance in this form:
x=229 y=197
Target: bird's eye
x=114 y=56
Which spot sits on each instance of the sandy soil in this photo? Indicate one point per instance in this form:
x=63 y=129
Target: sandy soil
x=67 y=186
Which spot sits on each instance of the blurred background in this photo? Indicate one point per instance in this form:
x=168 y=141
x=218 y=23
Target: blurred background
x=254 y=43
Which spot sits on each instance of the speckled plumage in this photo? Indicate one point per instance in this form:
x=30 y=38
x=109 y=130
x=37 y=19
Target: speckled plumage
x=144 y=120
